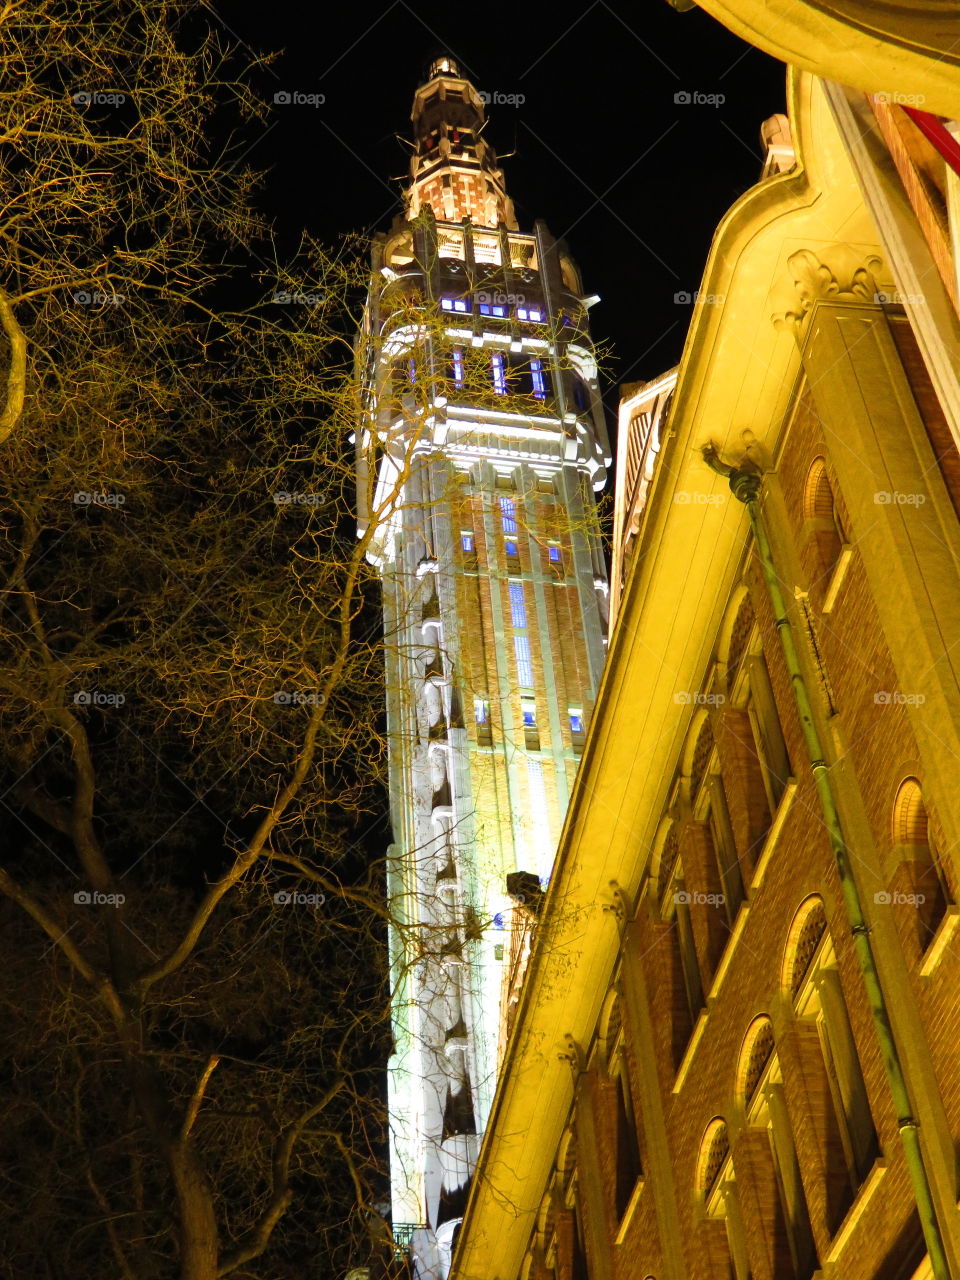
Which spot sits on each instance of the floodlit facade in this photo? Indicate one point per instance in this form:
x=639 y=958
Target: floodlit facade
x=735 y=1054
x=478 y=459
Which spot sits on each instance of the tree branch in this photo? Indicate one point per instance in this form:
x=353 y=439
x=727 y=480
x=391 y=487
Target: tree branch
x=282 y=1194
x=17 y=373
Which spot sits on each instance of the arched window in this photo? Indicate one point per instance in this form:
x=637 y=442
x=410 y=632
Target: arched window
x=822 y=520
x=914 y=846
x=686 y=995
x=771 y=1153
x=613 y=1060
x=803 y=942
x=836 y=1091
x=717 y=1192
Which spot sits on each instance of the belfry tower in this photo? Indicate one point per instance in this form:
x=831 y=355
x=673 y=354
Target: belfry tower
x=481 y=447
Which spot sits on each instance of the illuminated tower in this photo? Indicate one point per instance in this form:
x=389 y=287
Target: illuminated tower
x=478 y=458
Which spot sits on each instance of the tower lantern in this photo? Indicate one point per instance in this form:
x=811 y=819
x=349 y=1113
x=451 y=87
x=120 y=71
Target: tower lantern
x=453 y=168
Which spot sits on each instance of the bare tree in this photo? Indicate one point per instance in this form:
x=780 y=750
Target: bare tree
x=194 y=991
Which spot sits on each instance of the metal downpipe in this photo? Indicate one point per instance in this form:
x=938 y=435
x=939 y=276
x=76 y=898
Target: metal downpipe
x=745 y=486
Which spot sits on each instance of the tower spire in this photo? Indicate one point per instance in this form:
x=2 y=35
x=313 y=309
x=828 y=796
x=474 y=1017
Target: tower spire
x=453 y=168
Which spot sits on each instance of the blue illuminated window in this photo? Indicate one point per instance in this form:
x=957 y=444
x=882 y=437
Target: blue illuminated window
x=491 y=309
x=446 y=304
x=521 y=649
x=518 y=608
x=555 y=554
x=508 y=514
x=481 y=711
x=457 y=367
x=538 y=380
x=511 y=547
x=466 y=542
x=529 y=313
x=576 y=721
x=411 y=370
x=498 y=921
x=529 y=708
x=499 y=373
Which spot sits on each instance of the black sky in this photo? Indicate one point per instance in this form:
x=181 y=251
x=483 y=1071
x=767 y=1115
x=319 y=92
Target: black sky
x=605 y=155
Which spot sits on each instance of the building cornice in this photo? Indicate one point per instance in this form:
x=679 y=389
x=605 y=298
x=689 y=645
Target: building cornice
x=892 y=48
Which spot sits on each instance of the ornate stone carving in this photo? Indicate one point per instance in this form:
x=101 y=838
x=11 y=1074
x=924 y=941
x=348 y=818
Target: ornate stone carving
x=846 y=277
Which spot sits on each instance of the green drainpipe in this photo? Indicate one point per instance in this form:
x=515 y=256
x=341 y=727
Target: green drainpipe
x=745 y=485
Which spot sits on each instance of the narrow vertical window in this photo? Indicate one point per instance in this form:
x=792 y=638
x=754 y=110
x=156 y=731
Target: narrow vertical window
x=499 y=373
x=529 y=709
x=538 y=379
x=458 y=367
x=508 y=514
x=518 y=608
x=521 y=649
x=467 y=542
x=629 y=1167
x=411 y=370
x=555 y=554
x=481 y=711
x=767 y=732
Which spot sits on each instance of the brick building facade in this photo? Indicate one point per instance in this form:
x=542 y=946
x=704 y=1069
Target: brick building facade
x=736 y=1053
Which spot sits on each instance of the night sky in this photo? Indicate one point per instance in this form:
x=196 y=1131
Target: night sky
x=635 y=181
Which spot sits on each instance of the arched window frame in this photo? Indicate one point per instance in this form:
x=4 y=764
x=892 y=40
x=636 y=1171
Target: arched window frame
x=913 y=841
x=821 y=999
x=751 y=691
x=720 y=1199
x=823 y=527
x=628 y=1155
x=765 y=1107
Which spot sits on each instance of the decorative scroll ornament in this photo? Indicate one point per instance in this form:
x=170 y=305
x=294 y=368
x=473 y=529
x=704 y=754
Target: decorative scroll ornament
x=573 y=1054
x=847 y=278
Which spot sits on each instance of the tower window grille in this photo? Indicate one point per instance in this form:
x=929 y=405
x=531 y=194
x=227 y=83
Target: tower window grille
x=499 y=373
x=508 y=514
x=521 y=649
x=538 y=379
x=518 y=608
